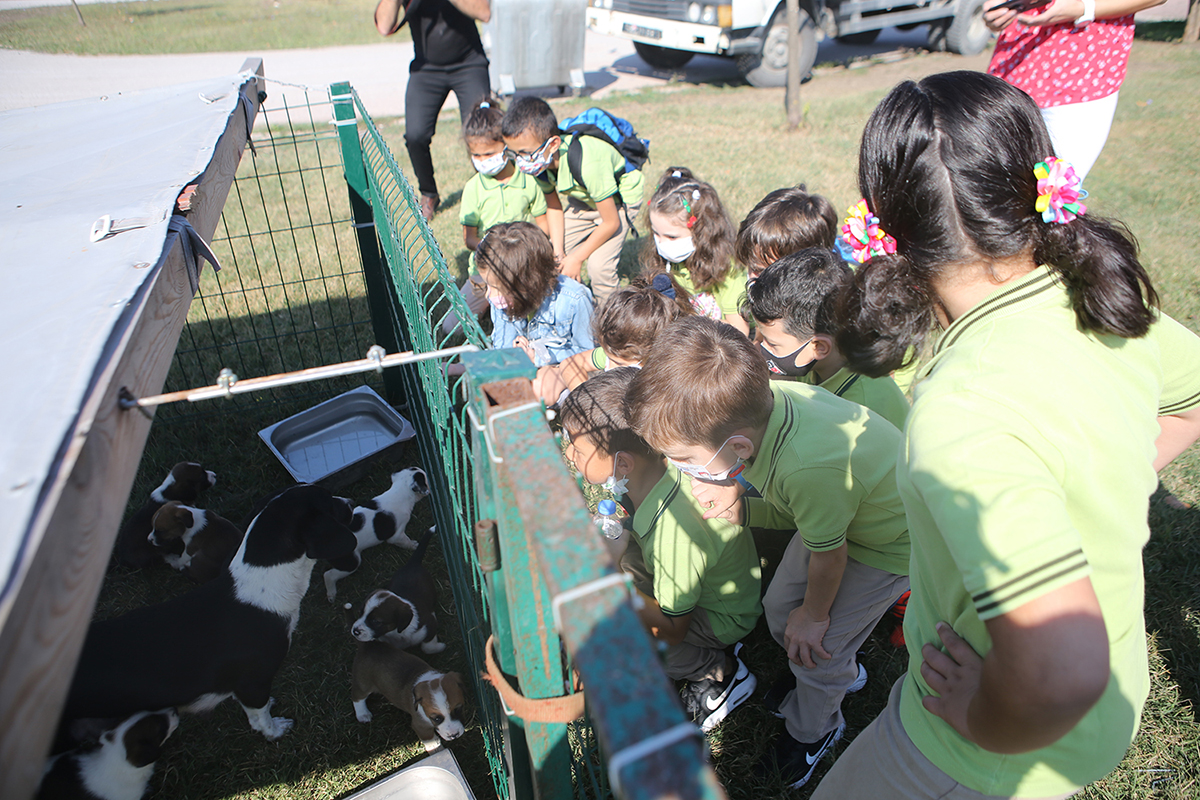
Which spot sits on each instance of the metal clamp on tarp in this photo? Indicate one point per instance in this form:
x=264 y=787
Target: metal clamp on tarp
x=106 y=226
x=193 y=244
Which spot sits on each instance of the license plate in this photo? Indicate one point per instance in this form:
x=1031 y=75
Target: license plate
x=638 y=30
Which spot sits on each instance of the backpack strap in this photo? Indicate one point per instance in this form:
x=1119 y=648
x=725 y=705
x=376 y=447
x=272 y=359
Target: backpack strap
x=575 y=165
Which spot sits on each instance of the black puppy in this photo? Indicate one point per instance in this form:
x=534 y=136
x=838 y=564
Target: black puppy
x=226 y=637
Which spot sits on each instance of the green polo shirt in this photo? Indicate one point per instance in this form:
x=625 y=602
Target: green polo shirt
x=827 y=469
x=697 y=562
x=1029 y=465
x=881 y=395
x=716 y=302
x=599 y=167
x=487 y=202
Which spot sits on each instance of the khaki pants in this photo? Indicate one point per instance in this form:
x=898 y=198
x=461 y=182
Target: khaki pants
x=579 y=221
x=701 y=654
x=882 y=762
x=814 y=707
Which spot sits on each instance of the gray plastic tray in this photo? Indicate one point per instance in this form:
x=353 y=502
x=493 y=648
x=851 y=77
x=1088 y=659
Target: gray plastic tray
x=329 y=442
x=435 y=777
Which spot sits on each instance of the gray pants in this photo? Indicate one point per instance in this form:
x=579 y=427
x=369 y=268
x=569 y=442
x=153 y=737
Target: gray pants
x=701 y=654
x=578 y=223
x=814 y=707
x=882 y=762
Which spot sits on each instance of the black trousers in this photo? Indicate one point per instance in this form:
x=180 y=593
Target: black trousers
x=428 y=87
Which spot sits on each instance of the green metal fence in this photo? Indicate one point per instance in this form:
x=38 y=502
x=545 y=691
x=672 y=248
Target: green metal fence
x=343 y=259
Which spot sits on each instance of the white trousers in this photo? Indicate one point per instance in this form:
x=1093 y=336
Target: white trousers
x=1079 y=130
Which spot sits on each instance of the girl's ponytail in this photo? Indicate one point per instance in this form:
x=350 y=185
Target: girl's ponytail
x=1097 y=261
x=886 y=309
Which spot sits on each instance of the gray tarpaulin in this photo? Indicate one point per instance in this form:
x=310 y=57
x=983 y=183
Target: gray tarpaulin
x=66 y=298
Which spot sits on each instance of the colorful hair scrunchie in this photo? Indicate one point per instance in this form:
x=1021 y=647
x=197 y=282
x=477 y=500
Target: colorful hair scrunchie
x=687 y=206
x=862 y=232
x=1058 y=191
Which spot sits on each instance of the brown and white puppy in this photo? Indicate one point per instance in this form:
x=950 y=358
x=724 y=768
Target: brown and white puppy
x=403 y=614
x=115 y=766
x=383 y=518
x=184 y=483
x=209 y=540
x=433 y=699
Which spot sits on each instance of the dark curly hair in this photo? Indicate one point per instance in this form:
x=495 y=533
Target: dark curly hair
x=680 y=194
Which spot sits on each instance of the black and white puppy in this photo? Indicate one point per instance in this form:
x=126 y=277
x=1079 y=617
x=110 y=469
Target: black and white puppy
x=209 y=540
x=184 y=483
x=383 y=519
x=117 y=766
x=403 y=614
x=225 y=637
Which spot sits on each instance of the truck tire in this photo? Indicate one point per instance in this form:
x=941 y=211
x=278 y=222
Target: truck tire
x=662 y=57
x=768 y=68
x=968 y=34
x=862 y=37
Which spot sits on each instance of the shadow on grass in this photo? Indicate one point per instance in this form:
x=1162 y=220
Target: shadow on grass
x=1165 y=31
x=1172 y=568
x=162 y=12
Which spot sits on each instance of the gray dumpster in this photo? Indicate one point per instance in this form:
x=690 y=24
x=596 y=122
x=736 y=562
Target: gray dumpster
x=534 y=44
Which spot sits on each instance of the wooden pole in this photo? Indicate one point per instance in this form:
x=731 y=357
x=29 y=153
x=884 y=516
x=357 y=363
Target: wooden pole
x=78 y=13
x=795 y=113
x=1191 y=31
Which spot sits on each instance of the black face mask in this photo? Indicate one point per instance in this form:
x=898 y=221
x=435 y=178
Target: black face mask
x=786 y=365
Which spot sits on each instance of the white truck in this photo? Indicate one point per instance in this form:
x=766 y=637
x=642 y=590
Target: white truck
x=667 y=33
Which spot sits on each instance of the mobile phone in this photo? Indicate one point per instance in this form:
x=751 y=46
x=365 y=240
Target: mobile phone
x=1021 y=6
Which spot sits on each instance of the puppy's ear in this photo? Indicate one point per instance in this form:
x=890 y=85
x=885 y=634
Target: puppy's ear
x=90 y=729
x=325 y=537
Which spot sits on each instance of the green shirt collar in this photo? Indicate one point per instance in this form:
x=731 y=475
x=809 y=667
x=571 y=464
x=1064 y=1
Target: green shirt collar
x=655 y=505
x=781 y=426
x=1035 y=289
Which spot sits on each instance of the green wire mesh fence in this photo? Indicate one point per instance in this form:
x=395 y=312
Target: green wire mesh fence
x=291 y=294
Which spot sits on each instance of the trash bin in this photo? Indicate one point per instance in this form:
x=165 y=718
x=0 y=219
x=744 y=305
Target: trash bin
x=534 y=44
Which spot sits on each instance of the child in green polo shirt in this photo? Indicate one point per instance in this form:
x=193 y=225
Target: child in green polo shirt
x=599 y=208
x=698 y=579
x=497 y=193
x=826 y=468
x=792 y=305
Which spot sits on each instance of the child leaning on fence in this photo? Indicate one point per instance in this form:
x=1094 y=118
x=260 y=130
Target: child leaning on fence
x=547 y=315
x=826 y=469
x=699 y=580
x=693 y=243
x=624 y=327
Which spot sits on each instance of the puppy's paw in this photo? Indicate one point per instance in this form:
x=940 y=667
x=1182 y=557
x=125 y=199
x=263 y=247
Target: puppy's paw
x=402 y=541
x=431 y=744
x=433 y=646
x=278 y=727
x=331 y=585
x=361 y=712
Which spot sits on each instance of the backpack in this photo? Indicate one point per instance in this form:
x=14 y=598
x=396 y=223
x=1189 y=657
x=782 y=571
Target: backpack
x=604 y=126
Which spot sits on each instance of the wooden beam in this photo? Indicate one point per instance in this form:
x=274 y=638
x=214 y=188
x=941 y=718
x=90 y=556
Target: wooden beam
x=71 y=538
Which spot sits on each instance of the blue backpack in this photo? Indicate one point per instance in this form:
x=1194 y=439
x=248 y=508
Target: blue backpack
x=615 y=131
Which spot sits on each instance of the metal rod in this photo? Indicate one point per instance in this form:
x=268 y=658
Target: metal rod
x=229 y=385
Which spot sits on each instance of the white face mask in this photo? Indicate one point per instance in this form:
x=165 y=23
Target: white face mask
x=700 y=472
x=491 y=165
x=675 y=250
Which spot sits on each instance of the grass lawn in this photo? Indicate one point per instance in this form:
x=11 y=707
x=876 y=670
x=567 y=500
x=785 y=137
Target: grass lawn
x=190 y=26
x=735 y=137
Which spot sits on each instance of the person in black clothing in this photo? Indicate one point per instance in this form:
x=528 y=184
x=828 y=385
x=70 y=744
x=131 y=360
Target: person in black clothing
x=448 y=57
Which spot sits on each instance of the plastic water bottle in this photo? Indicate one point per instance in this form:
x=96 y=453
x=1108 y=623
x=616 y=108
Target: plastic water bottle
x=607 y=521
